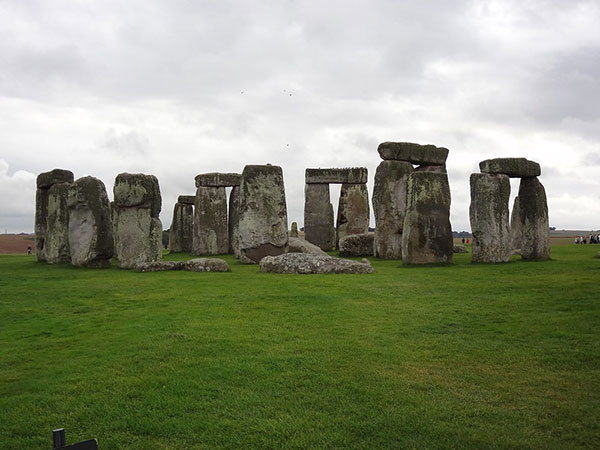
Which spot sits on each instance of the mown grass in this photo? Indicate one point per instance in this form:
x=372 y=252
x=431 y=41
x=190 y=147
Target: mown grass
x=465 y=356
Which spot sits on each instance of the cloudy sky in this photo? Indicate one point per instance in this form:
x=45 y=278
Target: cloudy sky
x=180 y=87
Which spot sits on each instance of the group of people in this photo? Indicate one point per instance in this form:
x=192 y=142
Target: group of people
x=592 y=239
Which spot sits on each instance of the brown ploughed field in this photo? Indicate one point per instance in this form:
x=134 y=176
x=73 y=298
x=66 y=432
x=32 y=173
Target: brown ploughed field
x=16 y=243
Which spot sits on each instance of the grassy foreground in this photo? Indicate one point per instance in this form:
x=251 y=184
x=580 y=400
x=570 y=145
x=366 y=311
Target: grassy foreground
x=464 y=356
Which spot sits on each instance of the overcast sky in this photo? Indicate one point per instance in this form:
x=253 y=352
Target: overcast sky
x=177 y=88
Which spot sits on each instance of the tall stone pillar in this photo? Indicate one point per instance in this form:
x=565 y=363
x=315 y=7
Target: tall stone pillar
x=533 y=209
x=353 y=211
x=234 y=220
x=318 y=216
x=211 y=234
x=182 y=226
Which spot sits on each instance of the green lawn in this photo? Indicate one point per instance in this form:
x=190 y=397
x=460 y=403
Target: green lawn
x=463 y=356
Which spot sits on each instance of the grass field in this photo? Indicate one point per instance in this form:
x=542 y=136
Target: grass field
x=458 y=357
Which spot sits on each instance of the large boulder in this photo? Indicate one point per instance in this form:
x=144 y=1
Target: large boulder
x=211 y=234
x=512 y=167
x=347 y=175
x=357 y=245
x=489 y=217
x=389 y=207
x=90 y=224
x=413 y=153
x=56 y=244
x=533 y=211
x=182 y=227
x=318 y=216
x=303 y=263
x=459 y=248
x=263 y=225
x=297 y=245
x=427 y=233
x=233 y=222
x=216 y=179
x=353 y=211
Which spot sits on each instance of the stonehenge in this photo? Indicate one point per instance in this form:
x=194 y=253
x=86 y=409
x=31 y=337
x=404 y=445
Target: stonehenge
x=304 y=263
x=318 y=216
x=533 y=214
x=182 y=226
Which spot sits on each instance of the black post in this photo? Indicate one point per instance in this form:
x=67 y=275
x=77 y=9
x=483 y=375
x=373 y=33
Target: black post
x=59 y=438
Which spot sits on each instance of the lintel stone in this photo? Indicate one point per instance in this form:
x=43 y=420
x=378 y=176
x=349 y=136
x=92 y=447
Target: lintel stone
x=186 y=199
x=55 y=176
x=513 y=167
x=217 y=179
x=346 y=175
x=413 y=153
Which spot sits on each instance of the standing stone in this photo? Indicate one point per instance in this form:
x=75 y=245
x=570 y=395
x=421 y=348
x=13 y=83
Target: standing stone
x=182 y=226
x=56 y=245
x=516 y=227
x=353 y=211
x=43 y=183
x=389 y=207
x=263 y=227
x=234 y=220
x=427 y=234
x=137 y=228
x=90 y=225
x=534 y=219
x=211 y=234
x=318 y=216
x=489 y=217
x=294 y=230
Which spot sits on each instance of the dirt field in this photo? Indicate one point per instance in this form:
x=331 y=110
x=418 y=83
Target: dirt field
x=16 y=243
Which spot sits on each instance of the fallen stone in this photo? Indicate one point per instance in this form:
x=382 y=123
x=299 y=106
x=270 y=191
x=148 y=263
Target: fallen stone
x=216 y=179
x=303 y=263
x=357 y=245
x=90 y=224
x=533 y=211
x=56 y=242
x=513 y=167
x=318 y=216
x=211 y=233
x=353 y=211
x=186 y=199
x=297 y=245
x=193 y=265
x=181 y=232
x=348 y=175
x=459 y=248
x=233 y=222
x=488 y=214
x=413 y=153
x=138 y=190
x=55 y=176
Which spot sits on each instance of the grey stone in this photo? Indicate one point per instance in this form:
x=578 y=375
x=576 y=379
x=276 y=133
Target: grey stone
x=534 y=220
x=211 y=234
x=193 y=265
x=56 y=242
x=347 y=175
x=55 y=176
x=459 y=248
x=138 y=190
x=303 y=263
x=318 y=216
x=441 y=168
x=488 y=214
x=516 y=227
x=297 y=245
x=186 y=199
x=216 y=179
x=413 y=153
x=294 y=230
x=353 y=211
x=234 y=220
x=357 y=245
x=513 y=167
x=90 y=224
x=389 y=207
x=263 y=225
x=427 y=234
x=182 y=228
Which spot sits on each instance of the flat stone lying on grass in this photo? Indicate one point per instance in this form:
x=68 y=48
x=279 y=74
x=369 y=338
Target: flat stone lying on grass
x=347 y=175
x=302 y=263
x=459 y=248
x=193 y=265
x=513 y=167
x=297 y=245
x=357 y=245
x=413 y=153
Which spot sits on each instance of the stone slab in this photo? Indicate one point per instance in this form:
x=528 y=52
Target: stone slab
x=347 y=175
x=513 y=167
x=413 y=153
x=55 y=176
x=353 y=211
x=533 y=206
x=182 y=228
x=211 y=234
x=186 y=199
x=138 y=190
x=218 y=179
x=319 y=226
x=304 y=263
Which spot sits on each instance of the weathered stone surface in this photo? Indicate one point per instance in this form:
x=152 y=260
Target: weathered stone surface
x=516 y=227
x=137 y=235
x=353 y=211
x=193 y=265
x=347 y=175
x=186 y=199
x=216 y=179
x=294 y=230
x=90 y=224
x=513 y=167
x=263 y=225
x=318 y=216
x=441 y=168
x=459 y=248
x=234 y=220
x=303 y=263
x=211 y=234
x=427 y=234
x=488 y=214
x=534 y=219
x=297 y=245
x=56 y=241
x=138 y=190
x=413 y=153
x=389 y=207
x=55 y=176
x=182 y=228
x=357 y=245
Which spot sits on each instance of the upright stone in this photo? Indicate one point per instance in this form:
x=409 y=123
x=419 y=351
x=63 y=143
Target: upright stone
x=489 y=217
x=263 y=227
x=182 y=226
x=211 y=234
x=90 y=225
x=318 y=216
x=137 y=228
x=234 y=220
x=294 y=230
x=533 y=209
x=43 y=183
x=389 y=207
x=56 y=245
x=353 y=211
x=427 y=234
x=516 y=227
